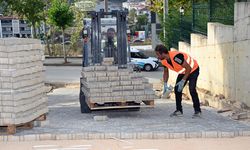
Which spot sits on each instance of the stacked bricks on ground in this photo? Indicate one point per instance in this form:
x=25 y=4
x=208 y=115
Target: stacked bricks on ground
x=106 y=83
x=22 y=89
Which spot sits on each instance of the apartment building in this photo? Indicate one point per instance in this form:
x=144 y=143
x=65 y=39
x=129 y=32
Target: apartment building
x=14 y=27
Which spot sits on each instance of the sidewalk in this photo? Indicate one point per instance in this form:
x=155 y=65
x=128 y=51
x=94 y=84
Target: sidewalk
x=54 y=61
x=241 y=143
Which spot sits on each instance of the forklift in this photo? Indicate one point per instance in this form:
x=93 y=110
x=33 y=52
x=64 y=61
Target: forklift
x=93 y=51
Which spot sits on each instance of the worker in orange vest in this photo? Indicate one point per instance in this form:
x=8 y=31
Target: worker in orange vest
x=187 y=69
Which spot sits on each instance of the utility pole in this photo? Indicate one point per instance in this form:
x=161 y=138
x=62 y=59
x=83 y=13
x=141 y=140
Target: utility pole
x=165 y=4
x=106 y=5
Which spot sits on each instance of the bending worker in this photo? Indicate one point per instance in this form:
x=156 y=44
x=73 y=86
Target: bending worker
x=187 y=69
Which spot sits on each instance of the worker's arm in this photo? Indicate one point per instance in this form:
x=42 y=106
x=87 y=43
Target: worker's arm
x=165 y=80
x=165 y=75
x=187 y=70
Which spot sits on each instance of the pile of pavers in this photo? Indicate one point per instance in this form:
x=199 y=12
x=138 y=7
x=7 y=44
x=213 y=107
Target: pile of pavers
x=22 y=90
x=106 y=83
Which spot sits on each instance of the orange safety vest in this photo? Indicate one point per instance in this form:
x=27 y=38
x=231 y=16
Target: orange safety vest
x=178 y=68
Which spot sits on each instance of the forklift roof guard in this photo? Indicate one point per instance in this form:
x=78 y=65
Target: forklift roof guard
x=95 y=36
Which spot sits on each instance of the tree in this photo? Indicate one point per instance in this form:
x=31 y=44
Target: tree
x=32 y=10
x=61 y=16
x=132 y=16
x=172 y=22
x=142 y=20
x=79 y=7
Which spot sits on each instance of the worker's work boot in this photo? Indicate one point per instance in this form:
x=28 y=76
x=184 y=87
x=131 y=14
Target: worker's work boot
x=197 y=114
x=176 y=113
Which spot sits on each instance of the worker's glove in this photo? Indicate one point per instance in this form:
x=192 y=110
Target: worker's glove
x=165 y=88
x=180 y=85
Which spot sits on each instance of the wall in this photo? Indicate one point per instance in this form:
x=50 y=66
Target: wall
x=224 y=56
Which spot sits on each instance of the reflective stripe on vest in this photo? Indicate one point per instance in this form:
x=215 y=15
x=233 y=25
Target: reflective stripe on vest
x=178 y=68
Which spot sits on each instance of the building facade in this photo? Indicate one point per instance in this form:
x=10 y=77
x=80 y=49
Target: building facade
x=14 y=27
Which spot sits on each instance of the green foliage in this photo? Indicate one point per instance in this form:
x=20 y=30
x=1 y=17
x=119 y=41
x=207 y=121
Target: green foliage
x=142 y=20
x=60 y=14
x=172 y=22
x=132 y=16
x=78 y=9
x=32 y=10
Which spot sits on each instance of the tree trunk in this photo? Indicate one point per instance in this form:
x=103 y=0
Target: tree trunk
x=47 y=39
x=64 y=50
x=53 y=39
x=34 y=29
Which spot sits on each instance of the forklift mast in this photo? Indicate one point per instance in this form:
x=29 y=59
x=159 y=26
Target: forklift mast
x=94 y=33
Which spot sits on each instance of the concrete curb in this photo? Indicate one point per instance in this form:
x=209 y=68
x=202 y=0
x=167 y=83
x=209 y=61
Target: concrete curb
x=62 y=64
x=62 y=84
x=123 y=135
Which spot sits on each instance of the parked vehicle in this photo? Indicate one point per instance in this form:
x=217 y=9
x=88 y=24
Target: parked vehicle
x=144 y=62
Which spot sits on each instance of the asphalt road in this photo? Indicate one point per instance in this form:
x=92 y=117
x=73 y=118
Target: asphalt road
x=71 y=74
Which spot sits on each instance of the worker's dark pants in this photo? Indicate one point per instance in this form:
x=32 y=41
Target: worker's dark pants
x=192 y=89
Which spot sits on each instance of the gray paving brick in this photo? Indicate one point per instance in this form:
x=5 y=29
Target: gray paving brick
x=125 y=78
x=137 y=82
x=107 y=90
x=114 y=78
x=88 y=69
x=108 y=59
x=107 y=63
x=115 y=84
x=145 y=135
x=125 y=83
x=127 y=88
x=139 y=92
x=112 y=68
x=100 y=68
x=127 y=93
x=102 y=79
x=117 y=88
x=128 y=135
x=138 y=87
x=177 y=135
x=193 y=134
x=123 y=73
x=101 y=74
x=112 y=74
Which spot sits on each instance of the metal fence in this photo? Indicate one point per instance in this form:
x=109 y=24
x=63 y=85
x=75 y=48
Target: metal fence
x=195 y=19
x=204 y=11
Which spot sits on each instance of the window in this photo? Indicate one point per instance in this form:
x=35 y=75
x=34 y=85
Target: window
x=138 y=55
x=7 y=29
x=22 y=21
x=6 y=21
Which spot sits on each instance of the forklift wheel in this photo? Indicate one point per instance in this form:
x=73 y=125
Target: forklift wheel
x=135 y=108
x=84 y=106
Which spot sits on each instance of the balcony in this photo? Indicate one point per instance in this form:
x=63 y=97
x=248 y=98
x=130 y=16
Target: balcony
x=6 y=24
x=25 y=32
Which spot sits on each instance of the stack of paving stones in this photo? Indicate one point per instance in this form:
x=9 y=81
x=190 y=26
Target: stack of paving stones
x=106 y=83
x=22 y=76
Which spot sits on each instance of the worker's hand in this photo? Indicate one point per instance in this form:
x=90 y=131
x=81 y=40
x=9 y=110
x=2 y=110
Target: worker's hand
x=180 y=85
x=165 y=88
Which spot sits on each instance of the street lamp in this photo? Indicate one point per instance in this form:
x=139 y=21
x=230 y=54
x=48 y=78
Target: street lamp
x=181 y=10
x=146 y=26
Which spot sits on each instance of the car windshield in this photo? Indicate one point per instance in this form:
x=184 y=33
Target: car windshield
x=142 y=55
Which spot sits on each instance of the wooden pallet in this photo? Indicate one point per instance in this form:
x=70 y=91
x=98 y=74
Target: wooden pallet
x=120 y=105
x=11 y=128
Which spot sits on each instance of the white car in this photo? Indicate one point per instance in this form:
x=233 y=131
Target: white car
x=142 y=61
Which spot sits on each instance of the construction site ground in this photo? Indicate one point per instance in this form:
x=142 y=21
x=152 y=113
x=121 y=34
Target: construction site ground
x=65 y=121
